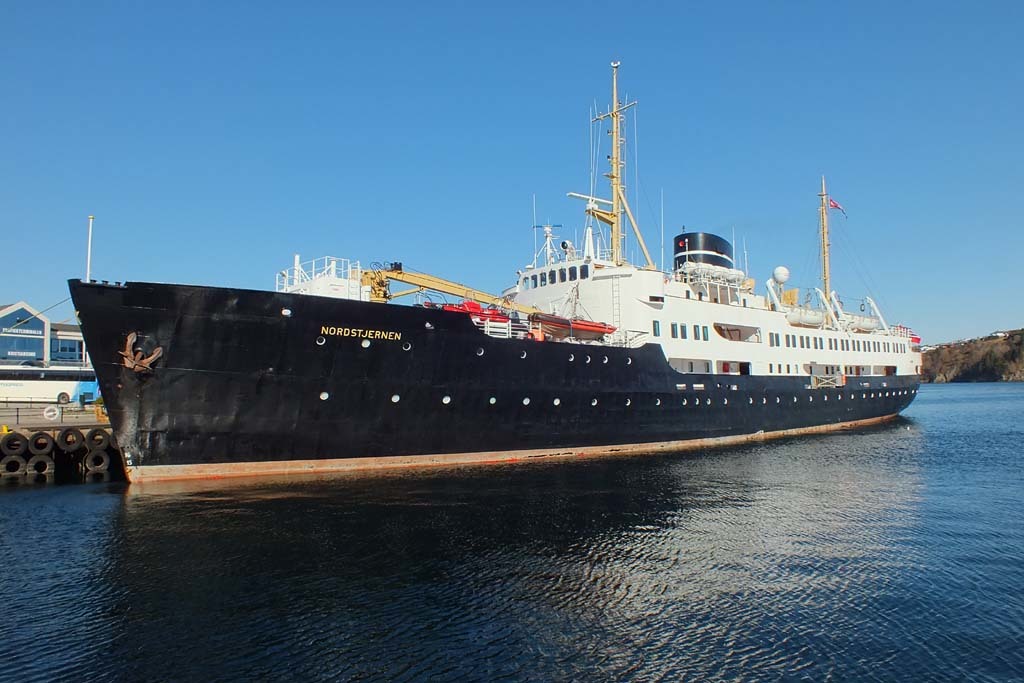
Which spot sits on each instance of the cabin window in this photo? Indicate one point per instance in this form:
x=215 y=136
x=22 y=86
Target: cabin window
x=682 y=330
x=696 y=333
x=551 y=277
x=584 y=272
x=656 y=327
x=700 y=296
x=675 y=330
x=572 y=273
x=526 y=283
x=769 y=368
x=533 y=279
x=705 y=328
x=687 y=294
x=561 y=274
x=543 y=279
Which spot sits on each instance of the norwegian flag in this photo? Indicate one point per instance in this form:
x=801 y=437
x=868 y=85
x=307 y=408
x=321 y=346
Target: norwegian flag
x=833 y=204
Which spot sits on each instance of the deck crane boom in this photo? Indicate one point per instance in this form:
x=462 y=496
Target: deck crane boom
x=378 y=280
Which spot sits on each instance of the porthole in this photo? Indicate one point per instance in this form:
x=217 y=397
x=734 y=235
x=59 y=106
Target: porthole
x=750 y=401
x=286 y=312
x=605 y=359
x=825 y=397
x=764 y=400
x=446 y=400
x=863 y=395
x=523 y=354
x=428 y=326
x=324 y=396
x=365 y=343
x=794 y=399
x=406 y=346
x=810 y=399
x=593 y=401
x=839 y=397
x=778 y=400
x=320 y=341
x=587 y=359
x=707 y=401
x=725 y=401
x=479 y=351
x=684 y=401
x=657 y=401
x=629 y=361
x=526 y=401
x=395 y=398
x=572 y=357
x=629 y=402
x=492 y=400
x=557 y=402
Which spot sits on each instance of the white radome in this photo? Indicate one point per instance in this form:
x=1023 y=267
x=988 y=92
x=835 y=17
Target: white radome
x=780 y=274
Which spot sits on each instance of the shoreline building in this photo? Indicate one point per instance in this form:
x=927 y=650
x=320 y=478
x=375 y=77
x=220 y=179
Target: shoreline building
x=27 y=337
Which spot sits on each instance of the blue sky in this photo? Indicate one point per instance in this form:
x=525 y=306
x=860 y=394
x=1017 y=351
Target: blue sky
x=214 y=140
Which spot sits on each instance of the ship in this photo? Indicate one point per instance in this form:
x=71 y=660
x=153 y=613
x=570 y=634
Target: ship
x=585 y=354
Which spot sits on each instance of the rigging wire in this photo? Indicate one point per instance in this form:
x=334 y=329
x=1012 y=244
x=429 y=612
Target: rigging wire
x=33 y=317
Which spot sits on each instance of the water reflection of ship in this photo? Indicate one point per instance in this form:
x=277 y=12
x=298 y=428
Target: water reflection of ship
x=393 y=573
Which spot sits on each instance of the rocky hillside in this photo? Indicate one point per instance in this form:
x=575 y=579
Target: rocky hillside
x=989 y=359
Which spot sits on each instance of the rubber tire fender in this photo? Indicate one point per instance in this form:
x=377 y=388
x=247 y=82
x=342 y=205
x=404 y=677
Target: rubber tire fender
x=6 y=461
x=46 y=461
x=102 y=466
x=97 y=439
x=40 y=443
x=14 y=443
x=70 y=439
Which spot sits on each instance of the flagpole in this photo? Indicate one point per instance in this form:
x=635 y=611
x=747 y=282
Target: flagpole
x=88 y=252
x=826 y=275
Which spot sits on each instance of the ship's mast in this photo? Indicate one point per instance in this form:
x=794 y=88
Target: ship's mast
x=615 y=173
x=826 y=273
x=618 y=204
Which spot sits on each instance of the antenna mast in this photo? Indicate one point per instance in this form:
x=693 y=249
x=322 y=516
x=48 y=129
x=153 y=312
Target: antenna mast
x=826 y=274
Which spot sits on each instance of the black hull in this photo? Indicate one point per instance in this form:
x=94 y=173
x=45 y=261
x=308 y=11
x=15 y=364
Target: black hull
x=240 y=381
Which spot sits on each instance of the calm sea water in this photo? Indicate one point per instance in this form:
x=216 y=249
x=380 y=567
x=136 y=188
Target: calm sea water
x=888 y=554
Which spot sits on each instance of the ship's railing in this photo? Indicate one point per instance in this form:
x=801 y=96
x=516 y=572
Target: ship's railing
x=502 y=330
x=324 y=267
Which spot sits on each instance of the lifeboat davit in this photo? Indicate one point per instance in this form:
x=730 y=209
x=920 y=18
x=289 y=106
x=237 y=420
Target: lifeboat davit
x=559 y=328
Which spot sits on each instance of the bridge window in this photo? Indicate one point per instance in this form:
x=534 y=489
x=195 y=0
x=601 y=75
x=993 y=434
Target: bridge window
x=533 y=279
x=584 y=272
x=572 y=273
x=561 y=274
x=543 y=279
x=551 y=277
x=526 y=282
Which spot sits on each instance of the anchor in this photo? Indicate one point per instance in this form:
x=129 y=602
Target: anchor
x=135 y=360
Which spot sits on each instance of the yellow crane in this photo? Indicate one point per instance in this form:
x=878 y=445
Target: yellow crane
x=379 y=279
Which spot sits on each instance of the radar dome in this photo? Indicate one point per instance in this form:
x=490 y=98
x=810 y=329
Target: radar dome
x=780 y=274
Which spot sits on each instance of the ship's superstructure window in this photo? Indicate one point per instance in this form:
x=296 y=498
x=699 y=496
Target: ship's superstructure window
x=561 y=274
x=584 y=272
x=572 y=273
x=657 y=328
x=682 y=330
x=543 y=279
x=675 y=330
x=705 y=329
x=696 y=333
x=551 y=277
x=533 y=279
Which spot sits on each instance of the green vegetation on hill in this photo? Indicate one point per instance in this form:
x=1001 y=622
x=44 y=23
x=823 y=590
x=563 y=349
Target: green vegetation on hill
x=990 y=359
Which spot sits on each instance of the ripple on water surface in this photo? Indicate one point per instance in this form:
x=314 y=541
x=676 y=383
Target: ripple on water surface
x=890 y=553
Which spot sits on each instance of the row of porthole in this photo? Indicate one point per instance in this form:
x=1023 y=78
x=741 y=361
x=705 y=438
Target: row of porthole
x=395 y=398
x=320 y=341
